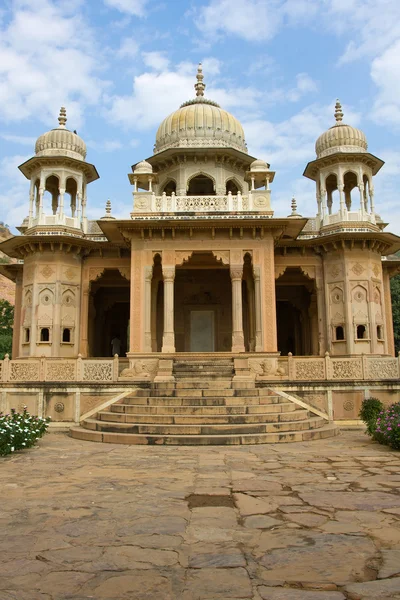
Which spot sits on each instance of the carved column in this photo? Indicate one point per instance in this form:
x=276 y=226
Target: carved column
x=388 y=320
x=268 y=297
x=236 y=272
x=136 y=325
x=258 y=315
x=169 y=333
x=148 y=276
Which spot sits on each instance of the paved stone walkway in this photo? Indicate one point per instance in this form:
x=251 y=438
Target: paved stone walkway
x=306 y=521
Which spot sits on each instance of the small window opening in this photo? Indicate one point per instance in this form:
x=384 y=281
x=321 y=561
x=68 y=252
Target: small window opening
x=27 y=335
x=339 y=333
x=361 y=332
x=379 y=332
x=66 y=337
x=44 y=334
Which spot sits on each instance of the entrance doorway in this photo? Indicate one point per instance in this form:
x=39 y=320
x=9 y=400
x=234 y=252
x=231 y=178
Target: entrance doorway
x=108 y=313
x=202 y=331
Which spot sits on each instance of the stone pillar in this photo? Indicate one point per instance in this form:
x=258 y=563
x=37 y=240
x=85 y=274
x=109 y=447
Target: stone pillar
x=148 y=276
x=61 y=207
x=136 y=328
x=17 y=317
x=84 y=328
x=154 y=291
x=268 y=301
x=236 y=272
x=169 y=333
x=252 y=325
x=258 y=313
x=388 y=320
x=31 y=201
x=323 y=325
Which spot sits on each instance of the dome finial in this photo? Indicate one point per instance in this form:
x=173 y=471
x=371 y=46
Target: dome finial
x=62 y=119
x=200 y=86
x=338 y=112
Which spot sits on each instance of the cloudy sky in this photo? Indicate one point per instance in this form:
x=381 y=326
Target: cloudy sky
x=121 y=66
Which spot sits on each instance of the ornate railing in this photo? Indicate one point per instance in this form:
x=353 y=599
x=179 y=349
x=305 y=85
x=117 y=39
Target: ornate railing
x=146 y=367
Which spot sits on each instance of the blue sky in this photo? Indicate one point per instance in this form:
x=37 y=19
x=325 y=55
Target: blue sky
x=121 y=66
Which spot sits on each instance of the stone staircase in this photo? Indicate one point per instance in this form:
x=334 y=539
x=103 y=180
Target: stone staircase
x=202 y=407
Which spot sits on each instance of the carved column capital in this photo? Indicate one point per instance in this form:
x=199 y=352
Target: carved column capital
x=148 y=273
x=168 y=273
x=236 y=272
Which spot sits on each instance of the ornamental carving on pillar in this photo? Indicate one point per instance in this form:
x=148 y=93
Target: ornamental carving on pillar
x=95 y=273
x=125 y=272
x=335 y=271
x=358 y=269
x=222 y=255
x=236 y=272
x=308 y=271
x=168 y=273
x=279 y=270
x=182 y=256
x=148 y=273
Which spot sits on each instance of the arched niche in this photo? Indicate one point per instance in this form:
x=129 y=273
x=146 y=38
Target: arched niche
x=169 y=187
x=350 y=181
x=201 y=185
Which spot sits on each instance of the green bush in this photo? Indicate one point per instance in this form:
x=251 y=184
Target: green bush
x=388 y=426
x=20 y=430
x=369 y=412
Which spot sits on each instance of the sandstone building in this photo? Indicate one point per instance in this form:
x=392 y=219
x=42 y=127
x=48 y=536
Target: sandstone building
x=201 y=269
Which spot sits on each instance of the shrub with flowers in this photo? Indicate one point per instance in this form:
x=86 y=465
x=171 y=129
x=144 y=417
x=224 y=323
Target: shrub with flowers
x=20 y=430
x=388 y=426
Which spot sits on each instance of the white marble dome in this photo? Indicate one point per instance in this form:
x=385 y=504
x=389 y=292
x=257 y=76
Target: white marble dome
x=259 y=166
x=143 y=168
x=200 y=123
x=340 y=138
x=61 y=141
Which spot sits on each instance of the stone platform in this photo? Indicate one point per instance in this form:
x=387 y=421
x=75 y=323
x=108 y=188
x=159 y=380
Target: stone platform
x=204 y=404
x=302 y=521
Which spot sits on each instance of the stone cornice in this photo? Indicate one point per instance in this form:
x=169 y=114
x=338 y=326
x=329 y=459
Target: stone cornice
x=312 y=169
x=39 y=162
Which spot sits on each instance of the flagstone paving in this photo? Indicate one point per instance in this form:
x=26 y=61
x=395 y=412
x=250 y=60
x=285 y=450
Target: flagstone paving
x=303 y=521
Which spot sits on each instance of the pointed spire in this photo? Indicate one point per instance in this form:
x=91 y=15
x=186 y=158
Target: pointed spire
x=294 y=212
x=108 y=208
x=200 y=86
x=338 y=112
x=62 y=119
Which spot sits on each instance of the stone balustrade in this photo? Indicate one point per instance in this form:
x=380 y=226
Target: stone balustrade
x=147 y=202
x=145 y=368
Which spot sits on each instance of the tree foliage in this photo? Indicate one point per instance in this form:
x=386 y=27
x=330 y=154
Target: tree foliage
x=6 y=327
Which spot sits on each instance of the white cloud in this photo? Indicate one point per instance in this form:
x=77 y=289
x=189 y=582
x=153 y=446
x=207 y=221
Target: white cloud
x=156 y=60
x=130 y=7
x=15 y=202
x=47 y=59
x=18 y=139
x=385 y=73
x=104 y=145
x=128 y=48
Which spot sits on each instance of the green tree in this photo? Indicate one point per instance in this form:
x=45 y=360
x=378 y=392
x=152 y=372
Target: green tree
x=395 y=292
x=6 y=327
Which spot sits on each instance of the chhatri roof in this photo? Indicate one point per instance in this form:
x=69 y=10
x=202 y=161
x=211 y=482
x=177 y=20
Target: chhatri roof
x=340 y=137
x=61 y=141
x=200 y=123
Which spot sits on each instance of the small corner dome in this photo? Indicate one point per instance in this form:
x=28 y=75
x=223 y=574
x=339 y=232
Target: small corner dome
x=340 y=138
x=259 y=166
x=143 y=168
x=61 y=141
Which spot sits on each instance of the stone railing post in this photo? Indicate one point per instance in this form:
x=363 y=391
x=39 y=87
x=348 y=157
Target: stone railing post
x=328 y=366
x=79 y=368
x=291 y=366
x=6 y=368
x=115 y=367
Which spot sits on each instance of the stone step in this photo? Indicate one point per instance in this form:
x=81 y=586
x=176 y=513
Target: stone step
x=185 y=419
x=204 y=401
x=206 y=391
x=200 y=429
x=327 y=431
x=195 y=409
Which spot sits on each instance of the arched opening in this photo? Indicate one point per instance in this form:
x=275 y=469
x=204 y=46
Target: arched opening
x=366 y=192
x=66 y=335
x=361 y=332
x=297 y=313
x=44 y=334
x=332 y=192
x=339 y=333
x=232 y=187
x=248 y=304
x=51 y=195
x=157 y=305
x=71 y=188
x=203 y=305
x=379 y=332
x=169 y=188
x=201 y=185
x=350 y=182
x=108 y=313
